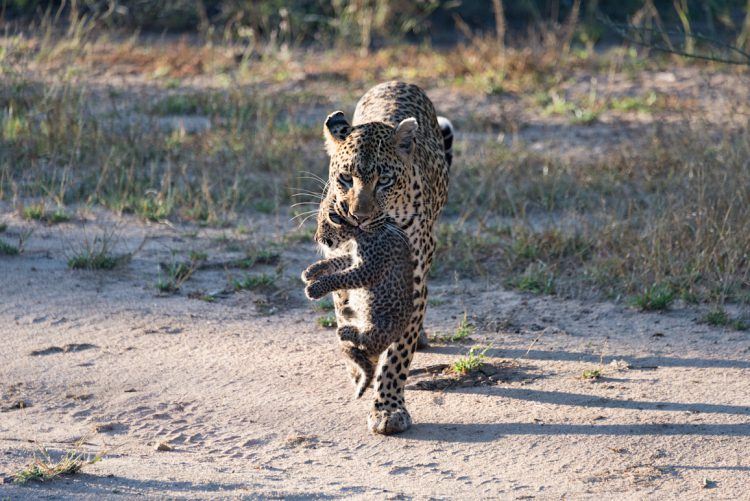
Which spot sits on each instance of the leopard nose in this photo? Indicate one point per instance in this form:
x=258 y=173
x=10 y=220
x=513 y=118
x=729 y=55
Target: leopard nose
x=359 y=216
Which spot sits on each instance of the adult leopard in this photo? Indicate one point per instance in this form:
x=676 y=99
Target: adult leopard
x=392 y=161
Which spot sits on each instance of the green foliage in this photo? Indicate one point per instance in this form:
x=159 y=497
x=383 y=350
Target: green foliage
x=251 y=282
x=43 y=468
x=720 y=318
x=657 y=297
x=33 y=212
x=464 y=330
x=7 y=249
x=92 y=261
x=174 y=275
x=472 y=361
x=327 y=321
x=37 y=212
x=591 y=374
x=535 y=279
x=96 y=254
x=325 y=304
x=717 y=317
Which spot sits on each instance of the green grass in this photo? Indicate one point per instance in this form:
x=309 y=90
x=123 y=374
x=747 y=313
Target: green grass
x=33 y=212
x=327 y=321
x=43 y=468
x=260 y=256
x=325 y=304
x=464 y=330
x=719 y=317
x=95 y=261
x=174 y=275
x=534 y=279
x=96 y=253
x=658 y=297
x=252 y=282
x=37 y=212
x=3 y=227
x=7 y=249
x=473 y=360
x=633 y=103
x=591 y=374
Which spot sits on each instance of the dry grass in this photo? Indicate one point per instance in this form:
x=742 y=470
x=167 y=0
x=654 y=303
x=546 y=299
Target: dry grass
x=676 y=214
x=44 y=468
x=204 y=132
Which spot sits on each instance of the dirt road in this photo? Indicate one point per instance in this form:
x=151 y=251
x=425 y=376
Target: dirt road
x=248 y=394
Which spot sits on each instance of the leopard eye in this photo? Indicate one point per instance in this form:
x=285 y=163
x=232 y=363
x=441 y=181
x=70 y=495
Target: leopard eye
x=335 y=218
x=384 y=181
x=345 y=179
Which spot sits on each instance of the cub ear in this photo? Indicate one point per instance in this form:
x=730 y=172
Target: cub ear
x=403 y=137
x=335 y=130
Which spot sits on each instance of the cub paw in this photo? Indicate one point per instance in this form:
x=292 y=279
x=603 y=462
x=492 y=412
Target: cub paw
x=388 y=422
x=315 y=290
x=348 y=333
x=309 y=275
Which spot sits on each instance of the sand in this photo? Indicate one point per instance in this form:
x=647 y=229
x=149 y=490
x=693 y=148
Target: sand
x=248 y=396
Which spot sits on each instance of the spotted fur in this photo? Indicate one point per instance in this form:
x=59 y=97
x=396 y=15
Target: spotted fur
x=391 y=162
x=376 y=265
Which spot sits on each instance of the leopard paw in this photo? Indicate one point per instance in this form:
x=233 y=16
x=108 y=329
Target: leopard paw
x=388 y=422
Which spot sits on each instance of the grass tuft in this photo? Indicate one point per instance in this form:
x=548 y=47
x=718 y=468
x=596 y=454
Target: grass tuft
x=37 y=212
x=720 y=318
x=658 y=297
x=43 y=468
x=325 y=304
x=252 y=282
x=327 y=321
x=472 y=361
x=464 y=330
x=7 y=249
x=591 y=374
x=96 y=254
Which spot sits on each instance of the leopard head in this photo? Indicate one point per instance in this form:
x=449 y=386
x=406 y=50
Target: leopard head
x=369 y=167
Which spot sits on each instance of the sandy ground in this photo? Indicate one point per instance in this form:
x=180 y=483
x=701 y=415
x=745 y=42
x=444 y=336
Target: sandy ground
x=251 y=397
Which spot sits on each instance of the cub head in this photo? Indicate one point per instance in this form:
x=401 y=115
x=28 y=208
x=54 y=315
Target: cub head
x=369 y=166
x=332 y=230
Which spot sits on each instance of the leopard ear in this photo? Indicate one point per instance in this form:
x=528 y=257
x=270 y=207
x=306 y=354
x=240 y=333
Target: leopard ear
x=403 y=137
x=335 y=130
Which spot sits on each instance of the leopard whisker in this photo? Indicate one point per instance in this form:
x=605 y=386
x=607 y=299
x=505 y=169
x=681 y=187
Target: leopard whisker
x=304 y=203
x=303 y=214
x=304 y=221
x=312 y=175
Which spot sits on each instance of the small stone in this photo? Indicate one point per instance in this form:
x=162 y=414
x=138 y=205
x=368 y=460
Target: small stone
x=164 y=447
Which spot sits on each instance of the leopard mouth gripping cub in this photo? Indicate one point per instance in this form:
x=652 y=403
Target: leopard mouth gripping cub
x=390 y=166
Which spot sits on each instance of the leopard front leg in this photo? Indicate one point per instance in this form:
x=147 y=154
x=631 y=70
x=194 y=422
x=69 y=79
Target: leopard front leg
x=388 y=414
x=325 y=266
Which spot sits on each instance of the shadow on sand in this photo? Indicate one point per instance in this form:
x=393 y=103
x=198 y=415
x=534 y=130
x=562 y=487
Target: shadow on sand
x=572 y=356
x=488 y=432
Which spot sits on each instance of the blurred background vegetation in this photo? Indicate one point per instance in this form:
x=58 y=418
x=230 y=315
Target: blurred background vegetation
x=376 y=23
x=586 y=164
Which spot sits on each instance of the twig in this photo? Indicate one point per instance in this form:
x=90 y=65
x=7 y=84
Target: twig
x=625 y=30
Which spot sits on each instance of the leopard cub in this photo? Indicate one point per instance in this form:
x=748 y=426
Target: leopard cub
x=374 y=265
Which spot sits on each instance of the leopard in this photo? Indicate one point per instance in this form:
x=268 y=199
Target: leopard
x=375 y=265
x=392 y=161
